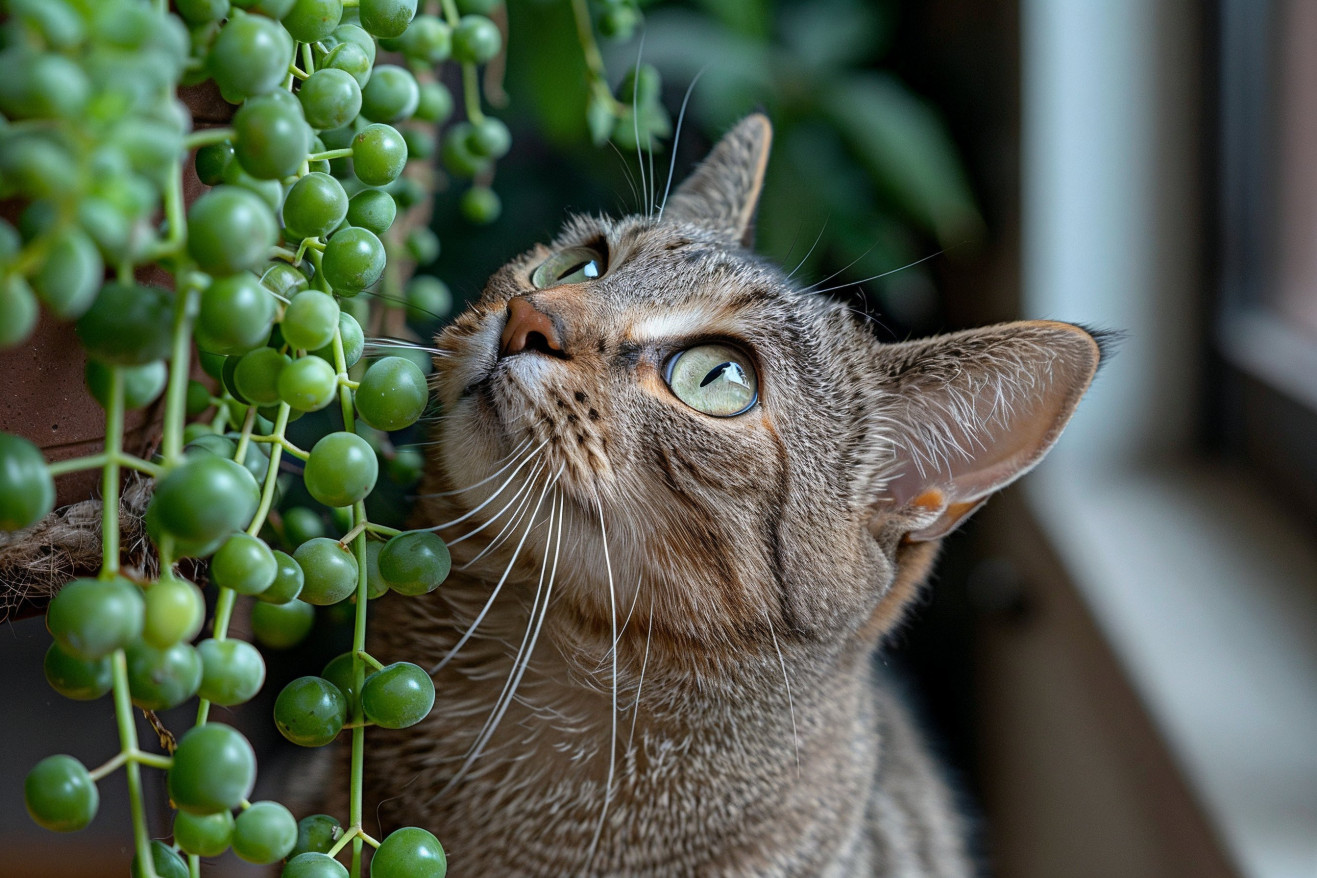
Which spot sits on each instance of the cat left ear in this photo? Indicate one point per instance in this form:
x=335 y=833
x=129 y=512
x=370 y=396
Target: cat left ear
x=976 y=410
x=723 y=192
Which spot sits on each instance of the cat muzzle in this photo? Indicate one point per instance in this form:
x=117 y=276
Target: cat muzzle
x=530 y=330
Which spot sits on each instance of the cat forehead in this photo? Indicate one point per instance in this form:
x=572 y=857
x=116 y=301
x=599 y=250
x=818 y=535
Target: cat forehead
x=637 y=230
x=669 y=279
x=662 y=261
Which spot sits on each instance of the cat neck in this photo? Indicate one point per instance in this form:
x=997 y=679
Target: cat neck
x=764 y=731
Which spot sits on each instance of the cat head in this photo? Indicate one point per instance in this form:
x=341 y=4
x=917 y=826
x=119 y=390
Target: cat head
x=663 y=418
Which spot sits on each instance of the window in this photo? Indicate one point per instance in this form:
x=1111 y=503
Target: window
x=1168 y=155
x=1266 y=335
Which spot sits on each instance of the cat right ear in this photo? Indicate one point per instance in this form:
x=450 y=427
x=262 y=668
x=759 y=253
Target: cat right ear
x=967 y=414
x=723 y=192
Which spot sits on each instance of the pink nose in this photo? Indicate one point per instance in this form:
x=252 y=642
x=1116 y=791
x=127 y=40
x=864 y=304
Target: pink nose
x=529 y=328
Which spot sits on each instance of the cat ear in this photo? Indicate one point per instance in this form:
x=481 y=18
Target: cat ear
x=723 y=192
x=975 y=411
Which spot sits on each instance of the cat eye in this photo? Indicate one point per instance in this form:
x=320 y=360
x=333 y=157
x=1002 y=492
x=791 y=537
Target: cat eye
x=715 y=379
x=575 y=265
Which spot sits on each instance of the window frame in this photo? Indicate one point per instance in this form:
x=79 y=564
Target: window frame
x=1198 y=579
x=1262 y=389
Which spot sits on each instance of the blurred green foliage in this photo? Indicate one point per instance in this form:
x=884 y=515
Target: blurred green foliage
x=864 y=177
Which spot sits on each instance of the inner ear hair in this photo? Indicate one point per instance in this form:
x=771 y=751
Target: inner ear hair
x=723 y=193
x=969 y=413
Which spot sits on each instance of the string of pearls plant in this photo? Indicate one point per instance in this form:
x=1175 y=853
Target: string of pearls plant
x=294 y=247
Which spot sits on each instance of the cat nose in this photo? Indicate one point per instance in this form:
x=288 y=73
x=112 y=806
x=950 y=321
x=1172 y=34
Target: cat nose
x=529 y=329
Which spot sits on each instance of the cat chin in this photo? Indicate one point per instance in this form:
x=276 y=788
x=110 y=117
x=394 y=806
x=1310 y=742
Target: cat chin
x=531 y=372
x=489 y=437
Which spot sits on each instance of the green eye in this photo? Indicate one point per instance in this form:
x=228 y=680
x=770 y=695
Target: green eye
x=575 y=265
x=714 y=379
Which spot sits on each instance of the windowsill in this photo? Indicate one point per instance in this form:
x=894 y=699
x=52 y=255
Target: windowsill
x=1271 y=349
x=1208 y=597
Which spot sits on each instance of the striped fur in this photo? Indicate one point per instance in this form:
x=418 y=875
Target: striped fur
x=745 y=568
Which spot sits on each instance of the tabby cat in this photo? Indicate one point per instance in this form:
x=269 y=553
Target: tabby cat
x=685 y=501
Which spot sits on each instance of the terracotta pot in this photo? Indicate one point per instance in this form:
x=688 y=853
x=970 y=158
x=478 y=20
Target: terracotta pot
x=45 y=399
x=46 y=402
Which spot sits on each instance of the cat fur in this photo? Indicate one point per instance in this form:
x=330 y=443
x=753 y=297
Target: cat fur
x=686 y=608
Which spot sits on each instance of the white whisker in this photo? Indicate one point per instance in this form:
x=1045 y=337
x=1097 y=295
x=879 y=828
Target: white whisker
x=653 y=181
x=612 y=738
x=622 y=630
x=480 y=617
x=646 y=202
x=644 y=662
x=810 y=251
x=522 y=660
x=627 y=621
x=676 y=138
x=431 y=420
x=529 y=457
x=381 y=343
x=526 y=487
x=508 y=529
x=488 y=478
x=819 y=292
x=795 y=239
x=813 y=288
x=791 y=707
x=626 y=171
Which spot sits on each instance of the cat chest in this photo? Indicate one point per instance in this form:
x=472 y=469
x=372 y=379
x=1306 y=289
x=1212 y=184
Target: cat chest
x=721 y=804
